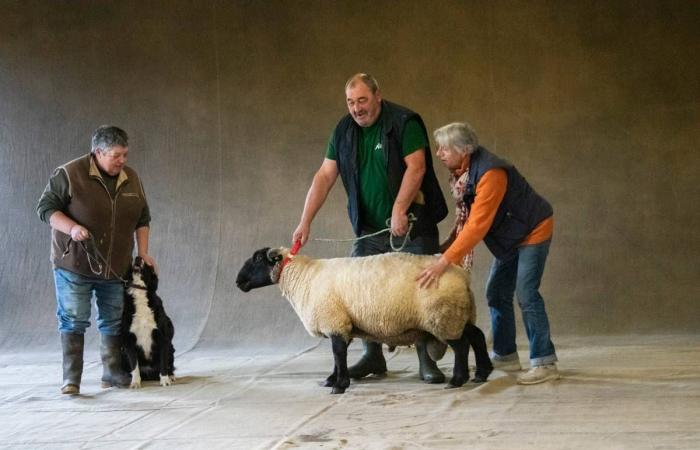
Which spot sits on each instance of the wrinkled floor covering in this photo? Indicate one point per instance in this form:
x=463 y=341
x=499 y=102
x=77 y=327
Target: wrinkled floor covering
x=626 y=392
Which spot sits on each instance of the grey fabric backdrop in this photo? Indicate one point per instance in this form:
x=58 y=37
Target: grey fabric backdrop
x=230 y=104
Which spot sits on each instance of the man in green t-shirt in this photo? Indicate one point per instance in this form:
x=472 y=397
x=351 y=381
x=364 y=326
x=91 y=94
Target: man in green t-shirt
x=382 y=154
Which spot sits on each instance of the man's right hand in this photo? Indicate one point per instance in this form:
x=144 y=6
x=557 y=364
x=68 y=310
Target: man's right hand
x=324 y=179
x=301 y=233
x=79 y=232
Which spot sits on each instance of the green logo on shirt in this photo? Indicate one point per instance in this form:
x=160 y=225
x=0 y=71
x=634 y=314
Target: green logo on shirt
x=378 y=146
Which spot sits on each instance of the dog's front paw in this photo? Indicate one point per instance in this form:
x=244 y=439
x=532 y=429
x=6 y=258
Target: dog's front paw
x=166 y=380
x=135 y=379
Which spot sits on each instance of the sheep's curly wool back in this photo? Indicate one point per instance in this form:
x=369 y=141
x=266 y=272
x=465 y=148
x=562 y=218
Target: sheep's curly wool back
x=377 y=297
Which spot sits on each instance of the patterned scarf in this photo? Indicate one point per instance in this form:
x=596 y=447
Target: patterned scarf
x=458 y=183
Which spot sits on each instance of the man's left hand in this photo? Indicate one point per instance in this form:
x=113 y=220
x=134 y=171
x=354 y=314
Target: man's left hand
x=148 y=259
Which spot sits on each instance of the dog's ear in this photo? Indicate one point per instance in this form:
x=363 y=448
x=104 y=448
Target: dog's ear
x=274 y=255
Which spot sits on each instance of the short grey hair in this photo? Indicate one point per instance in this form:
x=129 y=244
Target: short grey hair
x=457 y=136
x=108 y=136
x=366 y=78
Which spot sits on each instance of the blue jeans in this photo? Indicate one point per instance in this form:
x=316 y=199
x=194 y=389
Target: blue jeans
x=74 y=295
x=520 y=274
x=376 y=245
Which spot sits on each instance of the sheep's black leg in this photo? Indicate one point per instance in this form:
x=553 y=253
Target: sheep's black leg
x=340 y=354
x=460 y=372
x=478 y=343
x=330 y=381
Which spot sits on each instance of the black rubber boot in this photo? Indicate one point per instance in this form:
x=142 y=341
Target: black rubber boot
x=372 y=362
x=73 y=345
x=110 y=351
x=436 y=349
x=428 y=369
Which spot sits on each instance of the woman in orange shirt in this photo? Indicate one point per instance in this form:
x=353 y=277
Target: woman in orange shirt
x=495 y=204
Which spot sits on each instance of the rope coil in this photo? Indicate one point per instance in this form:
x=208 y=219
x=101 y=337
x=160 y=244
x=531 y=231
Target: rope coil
x=94 y=257
x=411 y=220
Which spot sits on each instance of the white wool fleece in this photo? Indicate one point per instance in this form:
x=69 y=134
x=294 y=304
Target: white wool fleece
x=377 y=297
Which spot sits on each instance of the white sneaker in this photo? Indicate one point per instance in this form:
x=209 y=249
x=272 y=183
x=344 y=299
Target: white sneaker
x=539 y=374
x=507 y=366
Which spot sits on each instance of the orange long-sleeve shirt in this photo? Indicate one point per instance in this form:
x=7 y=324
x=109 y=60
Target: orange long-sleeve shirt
x=489 y=194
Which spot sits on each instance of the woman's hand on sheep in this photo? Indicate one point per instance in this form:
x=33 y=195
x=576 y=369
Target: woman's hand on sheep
x=433 y=272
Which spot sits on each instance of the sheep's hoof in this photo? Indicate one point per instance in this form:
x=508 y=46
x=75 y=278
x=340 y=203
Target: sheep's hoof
x=454 y=383
x=328 y=383
x=338 y=390
x=482 y=375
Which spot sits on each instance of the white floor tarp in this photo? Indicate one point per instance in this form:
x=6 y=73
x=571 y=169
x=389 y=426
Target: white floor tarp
x=622 y=392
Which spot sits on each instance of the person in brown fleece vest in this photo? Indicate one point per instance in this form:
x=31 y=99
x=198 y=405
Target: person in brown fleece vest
x=97 y=208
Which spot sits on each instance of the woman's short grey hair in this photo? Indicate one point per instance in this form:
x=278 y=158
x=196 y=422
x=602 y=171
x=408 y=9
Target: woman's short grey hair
x=457 y=136
x=366 y=78
x=108 y=136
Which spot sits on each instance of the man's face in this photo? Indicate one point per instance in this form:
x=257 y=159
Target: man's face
x=451 y=158
x=113 y=159
x=363 y=105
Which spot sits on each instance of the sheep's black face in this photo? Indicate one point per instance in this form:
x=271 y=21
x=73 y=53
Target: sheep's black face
x=259 y=270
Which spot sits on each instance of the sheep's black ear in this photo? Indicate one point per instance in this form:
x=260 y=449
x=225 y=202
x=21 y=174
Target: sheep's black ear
x=260 y=255
x=273 y=255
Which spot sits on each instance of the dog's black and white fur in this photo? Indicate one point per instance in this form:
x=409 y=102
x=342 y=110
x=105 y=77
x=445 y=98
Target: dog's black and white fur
x=147 y=332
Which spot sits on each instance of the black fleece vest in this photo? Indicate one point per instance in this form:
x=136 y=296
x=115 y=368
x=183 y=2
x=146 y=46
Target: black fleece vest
x=520 y=211
x=394 y=118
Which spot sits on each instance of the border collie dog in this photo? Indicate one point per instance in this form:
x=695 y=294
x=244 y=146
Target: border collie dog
x=147 y=332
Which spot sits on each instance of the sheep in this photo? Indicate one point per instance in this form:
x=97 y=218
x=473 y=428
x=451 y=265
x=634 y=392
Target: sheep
x=375 y=298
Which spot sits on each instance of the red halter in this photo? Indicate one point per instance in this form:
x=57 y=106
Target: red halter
x=292 y=252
